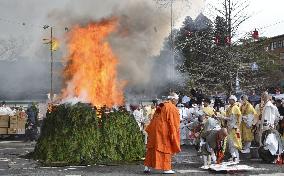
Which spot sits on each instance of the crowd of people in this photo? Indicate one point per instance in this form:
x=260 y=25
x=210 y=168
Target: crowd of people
x=218 y=128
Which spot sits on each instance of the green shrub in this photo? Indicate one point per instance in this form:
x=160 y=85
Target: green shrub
x=74 y=135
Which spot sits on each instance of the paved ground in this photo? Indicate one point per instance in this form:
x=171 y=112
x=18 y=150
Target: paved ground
x=186 y=163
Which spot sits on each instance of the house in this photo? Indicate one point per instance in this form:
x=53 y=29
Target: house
x=276 y=46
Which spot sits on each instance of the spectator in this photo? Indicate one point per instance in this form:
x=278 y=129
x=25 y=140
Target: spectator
x=280 y=107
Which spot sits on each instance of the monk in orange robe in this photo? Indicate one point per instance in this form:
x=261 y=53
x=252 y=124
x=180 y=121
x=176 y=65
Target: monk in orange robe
x=163 y=136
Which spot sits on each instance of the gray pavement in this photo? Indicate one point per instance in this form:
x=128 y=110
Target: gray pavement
x=185 y=163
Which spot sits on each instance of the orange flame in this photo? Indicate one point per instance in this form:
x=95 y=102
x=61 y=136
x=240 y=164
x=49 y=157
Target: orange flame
x=91 y=71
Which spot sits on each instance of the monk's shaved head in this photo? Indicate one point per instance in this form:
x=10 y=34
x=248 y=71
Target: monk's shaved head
x=244 y=97
x=265 y=97
x=222 y=133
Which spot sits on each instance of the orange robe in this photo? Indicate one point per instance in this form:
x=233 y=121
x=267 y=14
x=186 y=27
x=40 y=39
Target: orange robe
x=163 y=137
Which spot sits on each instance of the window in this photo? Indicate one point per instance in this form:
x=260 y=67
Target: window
x=274 y=45
x=279 y=44
x=282 y=56
x=282 y=43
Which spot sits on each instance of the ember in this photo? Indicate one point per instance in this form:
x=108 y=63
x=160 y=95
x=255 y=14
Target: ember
x=91 y=71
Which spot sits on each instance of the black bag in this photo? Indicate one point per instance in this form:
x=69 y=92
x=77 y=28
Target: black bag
x=265 y=155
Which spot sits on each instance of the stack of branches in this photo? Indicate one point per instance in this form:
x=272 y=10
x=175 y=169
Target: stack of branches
x=73 y=135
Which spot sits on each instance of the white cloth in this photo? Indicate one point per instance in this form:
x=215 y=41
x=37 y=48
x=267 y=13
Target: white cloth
x=196 y=111
x=138 y=115
x=211 y=124
x=270 y=114
x=232 y=122
x=233 y=97
x=146 y=112
x=173 y=96
x=249 y=120
x=191 y=111
x=184 y=113
x=185 y=99
x=184 y=132
x=128 y=107
x=7 y=111
x=271 y=144
x=233 y=150
x=184 y=116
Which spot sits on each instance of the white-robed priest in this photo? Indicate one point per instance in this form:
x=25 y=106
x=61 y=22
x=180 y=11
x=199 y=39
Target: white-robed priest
x=233 y=117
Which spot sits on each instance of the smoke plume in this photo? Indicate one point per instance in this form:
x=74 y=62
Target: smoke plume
x=143 y=27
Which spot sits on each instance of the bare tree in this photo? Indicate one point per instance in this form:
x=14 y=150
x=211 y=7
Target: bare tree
x=234 y=12
x=215 y=63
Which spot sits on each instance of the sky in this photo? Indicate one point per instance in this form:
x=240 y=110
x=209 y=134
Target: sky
x=264 y=16
x=33 y=12
x=23 y=19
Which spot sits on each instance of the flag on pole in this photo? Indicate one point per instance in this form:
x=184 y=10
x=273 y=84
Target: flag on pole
x=54 y=44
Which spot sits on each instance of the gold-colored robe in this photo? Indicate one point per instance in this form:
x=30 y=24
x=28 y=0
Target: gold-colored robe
x=247 y=133
x=233 y=114
x=209 y=111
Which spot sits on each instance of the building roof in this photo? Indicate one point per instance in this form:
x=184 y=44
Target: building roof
x=278 y=36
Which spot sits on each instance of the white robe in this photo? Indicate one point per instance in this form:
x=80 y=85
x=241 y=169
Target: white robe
x=271 y=114
x=271 y=143
x=184 y=117
x=138 y=115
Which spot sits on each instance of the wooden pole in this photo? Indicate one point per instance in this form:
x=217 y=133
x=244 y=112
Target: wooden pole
x=51 y=64
x=172 y=47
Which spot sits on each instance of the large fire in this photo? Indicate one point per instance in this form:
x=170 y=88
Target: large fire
x=91 y=71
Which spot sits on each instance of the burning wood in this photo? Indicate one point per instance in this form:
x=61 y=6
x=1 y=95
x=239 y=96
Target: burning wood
x=91 y=70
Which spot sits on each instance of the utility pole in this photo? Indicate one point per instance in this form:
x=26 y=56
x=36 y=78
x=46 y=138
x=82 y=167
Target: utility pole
x=170 y=3
x=172 y=45
x=51 y=65
x=50 y=42
x=53 y=47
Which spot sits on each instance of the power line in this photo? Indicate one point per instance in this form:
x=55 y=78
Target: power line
x=245 y=33
x=24 y=24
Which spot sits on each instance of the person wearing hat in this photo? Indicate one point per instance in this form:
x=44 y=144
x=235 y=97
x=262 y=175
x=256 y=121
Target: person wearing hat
x=184 y=121
x=270 y=114
x=233 y=117
x=3 y=104
x=248 y=119
x=271 y=146
x=138 y=115
x=163 y=136
x=207 y=109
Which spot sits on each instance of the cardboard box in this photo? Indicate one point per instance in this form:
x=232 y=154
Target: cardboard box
x=21 y=124
x=13 y=119
x=13 y=125
x=21 y=115
x=4 y=121
x=22 y=119
x=12 y=130
x=3 y=130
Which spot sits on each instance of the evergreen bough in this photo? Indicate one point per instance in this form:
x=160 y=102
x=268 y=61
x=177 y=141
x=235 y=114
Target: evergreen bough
x=72 y=134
